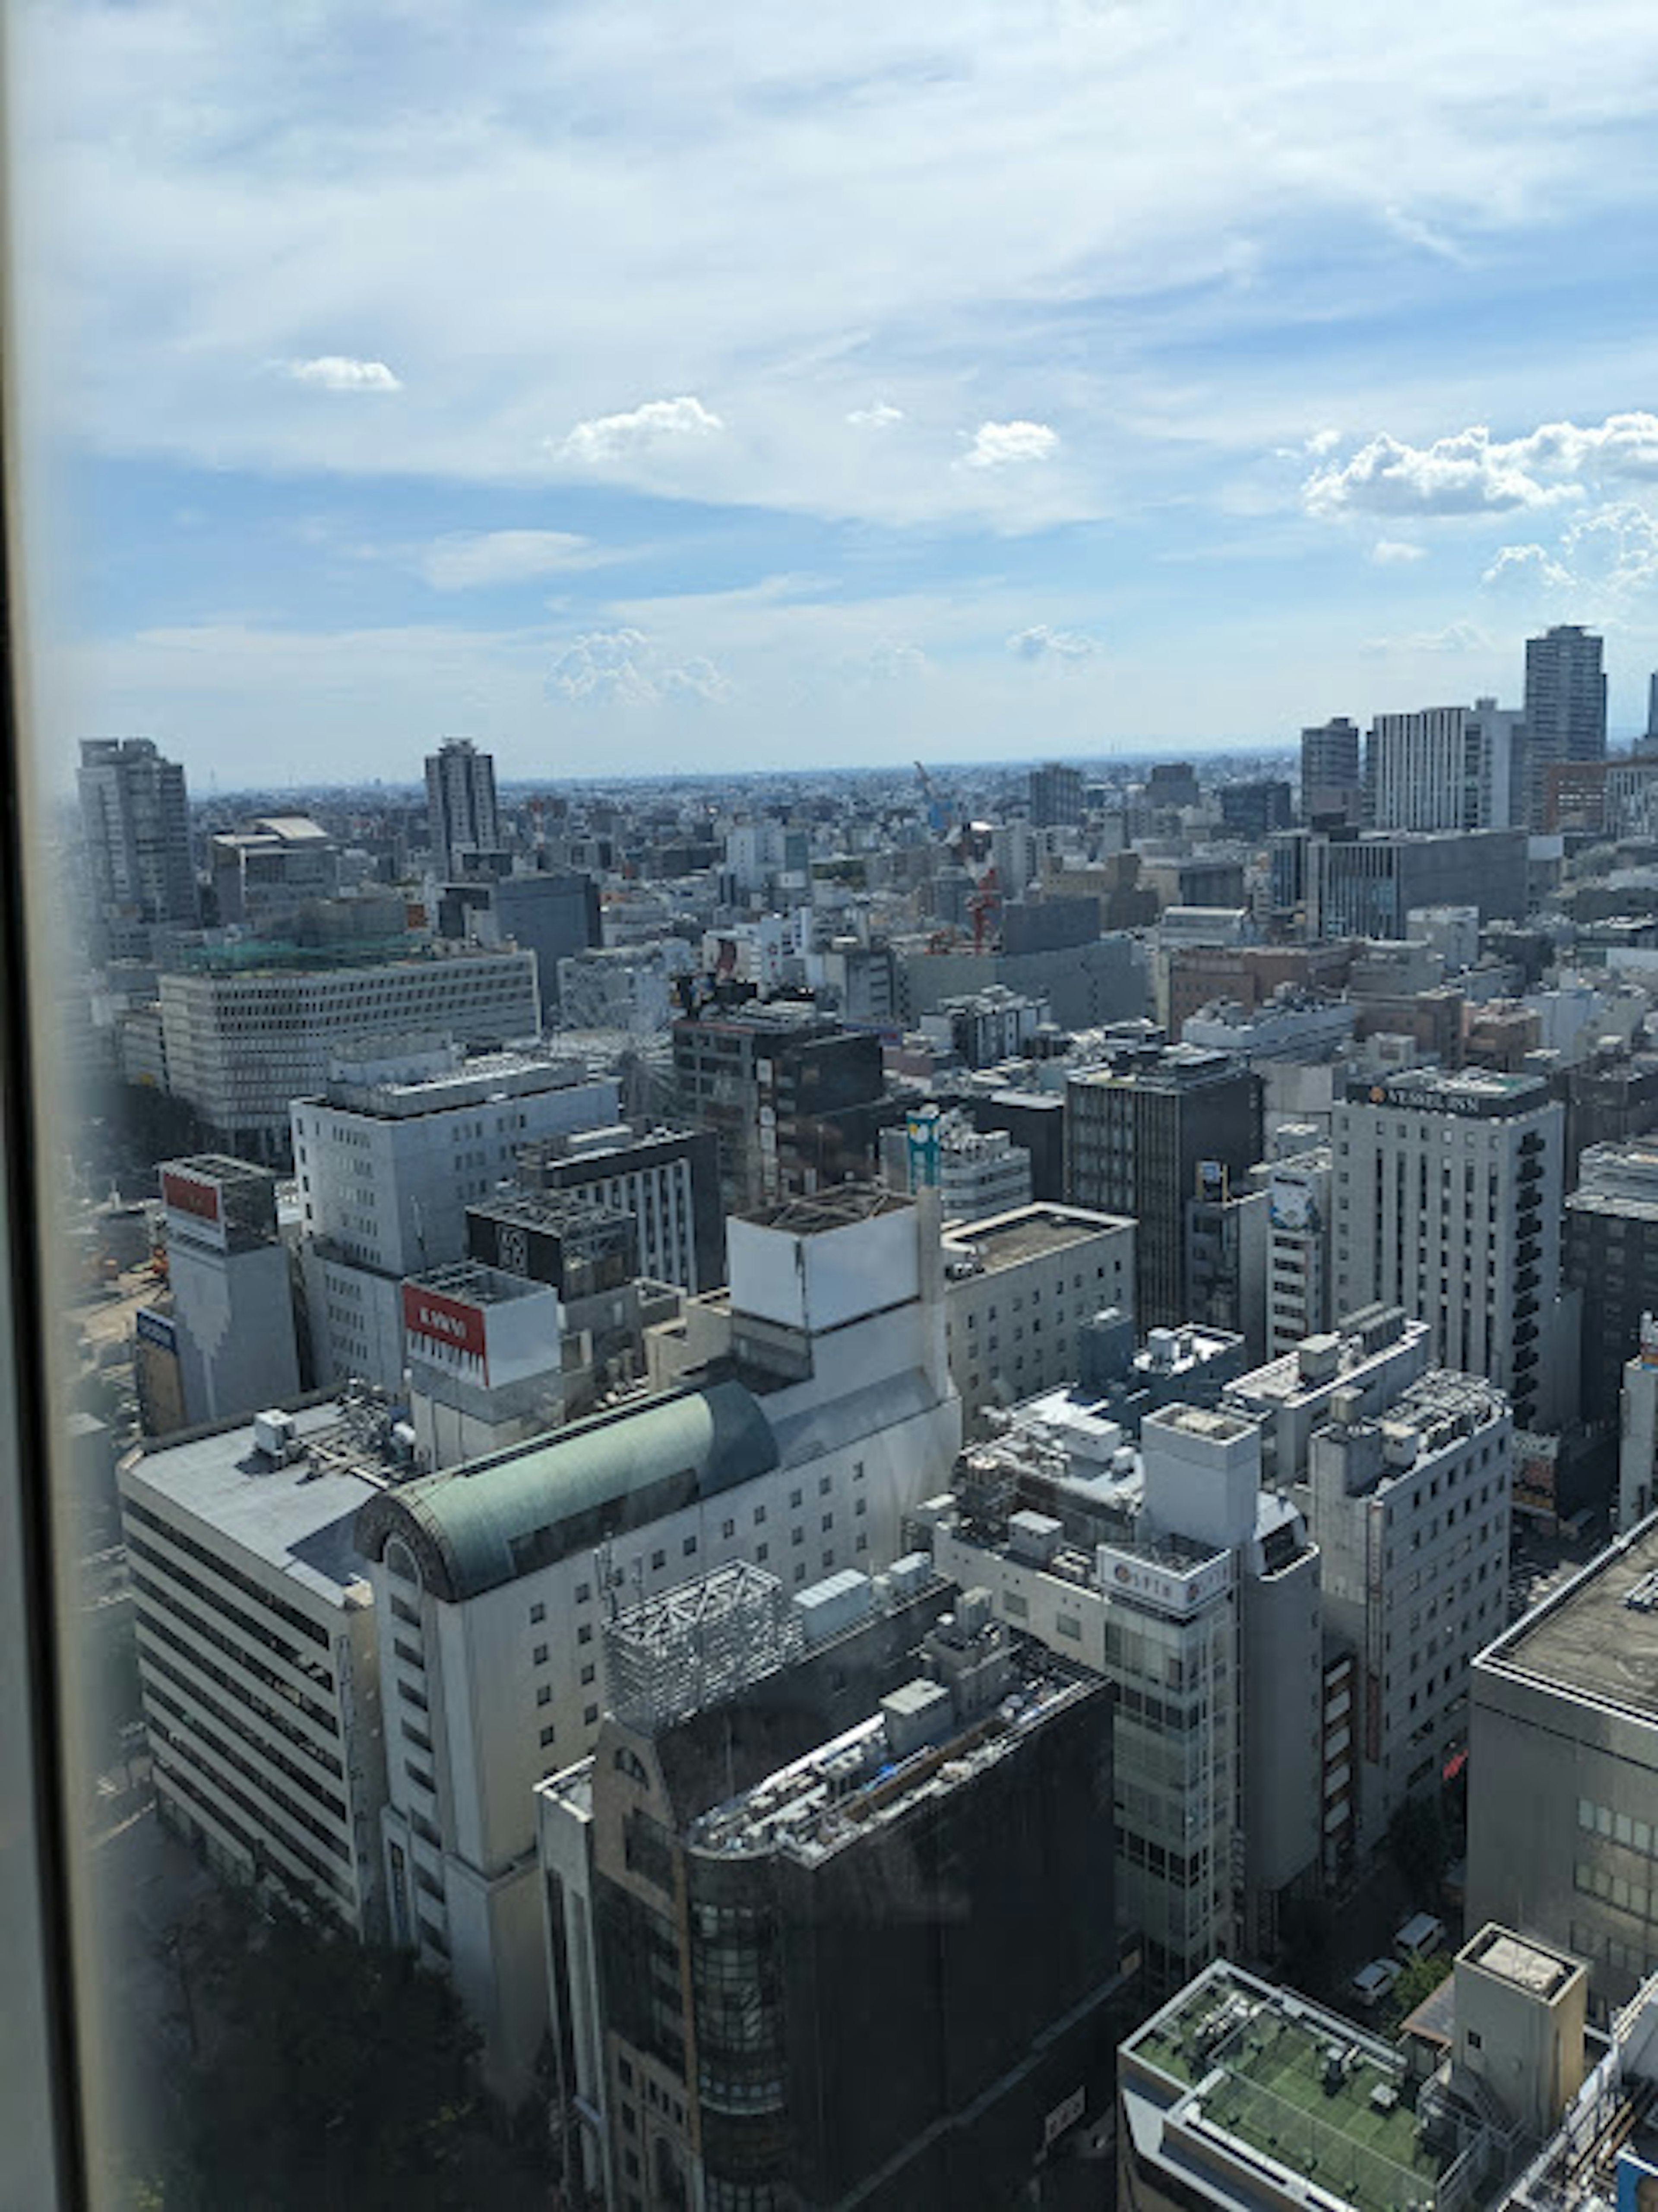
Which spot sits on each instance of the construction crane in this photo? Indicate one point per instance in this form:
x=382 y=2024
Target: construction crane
x=986 y=901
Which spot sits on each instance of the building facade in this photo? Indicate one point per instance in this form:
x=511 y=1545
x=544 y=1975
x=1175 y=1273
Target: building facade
x=135 y=818
x=1565 y=704
x=1611 y=1262
x=1447 y=767
x=462 y=819
x=667 y=1178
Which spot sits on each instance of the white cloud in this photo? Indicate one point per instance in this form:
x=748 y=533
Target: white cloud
x=469 y=559
x=338 y=371
x=880 y=417
x=1394 y=552
x=1523 y=568
x=1471 y=472
x=888 y=662
x=1009 y=445
x=643 y=430
x=1041 y=643
x=1454 y=637
x=623 y=668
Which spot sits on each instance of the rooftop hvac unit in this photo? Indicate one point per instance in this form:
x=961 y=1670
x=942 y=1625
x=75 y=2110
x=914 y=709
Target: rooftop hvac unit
x=275 y=1435
x=1347 y=1408
x=1034 y=1536
x=910 y=1574
x=1318 y=1358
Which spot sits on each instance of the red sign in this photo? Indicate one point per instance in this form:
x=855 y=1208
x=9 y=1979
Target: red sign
x=186 y=1195
x=453 y=1322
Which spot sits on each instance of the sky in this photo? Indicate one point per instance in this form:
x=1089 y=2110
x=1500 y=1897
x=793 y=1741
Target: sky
x=639 y=387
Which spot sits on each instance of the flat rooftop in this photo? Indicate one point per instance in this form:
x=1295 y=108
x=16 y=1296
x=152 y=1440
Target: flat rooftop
x=1589 y=1640
x=1233 y=2062
x=828 y=1209
x=296 y=1517
x=1003 y=1240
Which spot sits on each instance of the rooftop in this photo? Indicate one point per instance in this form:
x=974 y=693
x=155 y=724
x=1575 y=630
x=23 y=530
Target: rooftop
x=296 y=1515
x=1005 y=1240
x=836 y=1208
x=1234 y=2065
x=1597 y=1638
x=427 y=1087
x=1477 y=1093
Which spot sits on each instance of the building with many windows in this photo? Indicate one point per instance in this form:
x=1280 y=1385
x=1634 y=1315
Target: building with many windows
x=1611 y=1262
x=257 y=1654
x=811 y=1408
x=1447 y=767
x=1447 y=1194
x=135 y=818
x=1331 y=787
x=1565 y=704
x=462 y=819
x=668 y=1179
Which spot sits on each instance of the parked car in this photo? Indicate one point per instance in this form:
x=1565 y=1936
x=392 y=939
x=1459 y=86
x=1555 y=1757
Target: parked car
x=1372 y=1983
x=1421 y=1935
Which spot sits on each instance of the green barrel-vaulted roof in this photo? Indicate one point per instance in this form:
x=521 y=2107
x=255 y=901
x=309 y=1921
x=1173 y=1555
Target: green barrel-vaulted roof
x=475 y=1528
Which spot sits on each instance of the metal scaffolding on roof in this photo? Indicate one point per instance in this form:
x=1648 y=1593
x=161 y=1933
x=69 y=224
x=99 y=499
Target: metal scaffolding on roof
x=698 y=1645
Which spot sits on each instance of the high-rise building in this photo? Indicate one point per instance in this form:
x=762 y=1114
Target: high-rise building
x=1169 y=1569
x=229 y=1307
x=1447 y=767
x=553 y=913
x=1056 y=796
x=1612 y=1262
x=1447 y=1193
x=135 y=817
x=1149 y=1136
x=1565 y=704
x=804 y=1814
x=390 y=1152
x=1254 y=810
x=1299 y=1216
x=1562 y=1767
x=1366 y=885
x=462 y=817
x=667 y=1179
x=257 y=1654
x=811 y=1408
x=796 y=1101
x=1331 y=787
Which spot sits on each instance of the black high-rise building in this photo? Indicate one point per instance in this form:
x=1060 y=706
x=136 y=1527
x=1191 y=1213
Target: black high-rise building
x=1566 y=705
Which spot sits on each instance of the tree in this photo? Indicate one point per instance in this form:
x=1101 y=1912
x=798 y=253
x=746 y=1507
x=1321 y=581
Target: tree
x=1420 y=1978
x=343 y=2076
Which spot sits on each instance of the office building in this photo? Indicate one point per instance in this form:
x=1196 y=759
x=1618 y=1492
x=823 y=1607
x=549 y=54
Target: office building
x=273 y=864
x=135 y=818
x=483 y=1352
x=1372 y=1356
x=1251 y=975
x=789 y=1865
x=1562 y=1771
x=1409 y=1508
x=1447 y=767
x=1247 y=2098
x=811 y=1408
x=248 y=1030
x=975 y=1172
x=1331 y=784
x=668 y=1179
x=1147 y=1136
x=1565 y=703
x=986 y=1027
x=553 y=913
x=1019 y=1286
x=1255 y=810
x=1448 y=1192
x=228 y=1316
x=1365 y=885
x=257 y=1654
x=1299 y=1216
x=1611 y=1262
x=389 y=1153
x=1226 y=1240
x=1056 y=796
x=796 y=1102
x=1086 y=979
x=1167 y=1568
x=462 y=819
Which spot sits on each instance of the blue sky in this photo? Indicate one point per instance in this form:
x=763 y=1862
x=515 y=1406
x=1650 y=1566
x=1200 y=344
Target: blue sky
x=628 y=385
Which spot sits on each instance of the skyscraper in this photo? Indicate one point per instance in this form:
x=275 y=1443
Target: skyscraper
x=460 y=803
x=1447 y=767
x=135 y=813
x=1056 y=795
x=1565 y=703
x=1329 y=771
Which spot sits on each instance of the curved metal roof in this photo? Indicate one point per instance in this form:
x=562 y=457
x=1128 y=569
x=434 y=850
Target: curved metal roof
x=473 y=1529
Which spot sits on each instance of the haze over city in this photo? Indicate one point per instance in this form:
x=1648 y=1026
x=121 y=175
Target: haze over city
x=655 y=390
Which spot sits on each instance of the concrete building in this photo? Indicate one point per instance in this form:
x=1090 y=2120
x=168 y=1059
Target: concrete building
x=484 y=1355
x=1056 y=796
x=1410 y=1511
x=230 y=1300
x=135 y=818
x=1226 y=1239
x=1146 y=1136
x=1637 y=1440
x=462 y=820
x=1247 y=2098
x=975 y=1172
x=1019 y=1286
x=1603 y=2152
x=390 y=1152
x=249 y=1030
x=1086 y=980
x=1611 y=1262
x=553 y=913
x=1448 y=1203
x=1364 y=885
x=1167 y=1568
x=1565 y=704
x=1372 y=1355
x=986 y=1027
x=668 y=1179
x=1331 y=784
x=795 y=1101
x=1563 y=1766
x=723 y=1880
x=1299 y=1216
x=273 y=864
x=1290 y=1026
x=1447 y=767
x=812 y=1408
x=257 y=1654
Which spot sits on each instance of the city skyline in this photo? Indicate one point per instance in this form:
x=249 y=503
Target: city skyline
x=612 y=392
